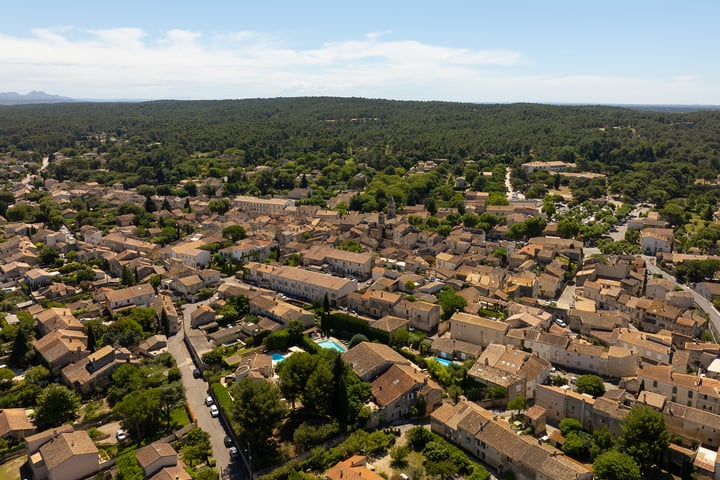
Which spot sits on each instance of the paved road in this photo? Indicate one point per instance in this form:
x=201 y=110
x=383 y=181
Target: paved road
x=196 y=390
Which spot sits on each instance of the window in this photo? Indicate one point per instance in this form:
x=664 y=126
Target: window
x=674 y=389
x=690 y=394
x=654 y=383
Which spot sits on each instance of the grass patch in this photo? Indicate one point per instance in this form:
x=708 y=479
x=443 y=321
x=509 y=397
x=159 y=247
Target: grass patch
x=223 y=396
x=179 y=417
x=11 y=470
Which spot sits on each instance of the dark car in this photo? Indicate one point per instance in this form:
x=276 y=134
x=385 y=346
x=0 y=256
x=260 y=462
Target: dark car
x=197 y=373
x=228 y=442
x=234 y=452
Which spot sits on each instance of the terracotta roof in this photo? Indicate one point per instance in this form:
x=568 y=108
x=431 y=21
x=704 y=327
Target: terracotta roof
x=351 y=469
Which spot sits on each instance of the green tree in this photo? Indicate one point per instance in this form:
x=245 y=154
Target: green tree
x=317 y=397
x=518 y=403
x=294 y=373
x=257 y=409
x=450 y=302
x=195 y=448
x=170 y=396
x=234 y=233
x=359 y=338
x=569 y=425
x=614 y=465
x=590 y=384
x=22 y=349
x=219 y=205
x=139 y=412
x=128 y=468
x=644 y=436
x=56 y=405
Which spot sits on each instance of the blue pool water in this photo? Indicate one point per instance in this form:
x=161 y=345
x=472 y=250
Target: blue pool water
x=331 y=345
x=442 y=361
x=277 y=357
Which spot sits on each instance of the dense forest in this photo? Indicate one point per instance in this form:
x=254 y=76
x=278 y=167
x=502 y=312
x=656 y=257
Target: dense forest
x=654 y=156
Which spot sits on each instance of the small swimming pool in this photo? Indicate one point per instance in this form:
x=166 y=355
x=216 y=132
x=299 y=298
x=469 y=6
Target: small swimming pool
x=332 y=345
x=277 y=357
x=442 y=361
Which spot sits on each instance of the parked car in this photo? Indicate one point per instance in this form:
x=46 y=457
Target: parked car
x=121 y=435
x=209 y=400
x=234 y=452
x=214 y=411
x=197 y=373
x=228 y=441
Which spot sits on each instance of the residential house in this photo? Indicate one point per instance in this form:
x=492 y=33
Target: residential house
x=654 y=349
x=354 y=468
x=451 y=348
x=656 y=240
x=62 y=347
x=156 y=456
x=280 y=310
x=256 y=366
x=478 y=330
x=478 y=432
x=96 y=369
x=65 y=456
x=57 y=318
x=14 y=423
x=686 y=389
x=255 y=205
x=248 y=249
x=153 y=345
x=300 y=283
x=141 y=295
x=424 y=316
x=709 y=290
x=202 y=315
x=517 y=371
x=390 y=324
x=375 y=303
x=369 y=360
x=118 y=242
x=396 y=391
x=165 y=303
x=340 y=261
x=190 y=254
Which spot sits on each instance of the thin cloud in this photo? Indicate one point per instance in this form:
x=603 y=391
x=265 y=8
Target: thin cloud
x=129 y=63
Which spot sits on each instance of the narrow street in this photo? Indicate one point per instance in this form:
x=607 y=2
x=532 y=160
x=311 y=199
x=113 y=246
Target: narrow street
x=195 y=391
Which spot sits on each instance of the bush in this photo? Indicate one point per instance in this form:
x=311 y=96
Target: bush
x=307 y=435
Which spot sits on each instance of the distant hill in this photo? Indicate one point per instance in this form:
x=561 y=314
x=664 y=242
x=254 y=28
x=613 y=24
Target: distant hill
x=14 y=98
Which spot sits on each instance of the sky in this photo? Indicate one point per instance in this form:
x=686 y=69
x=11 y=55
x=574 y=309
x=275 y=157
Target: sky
x=616 y=52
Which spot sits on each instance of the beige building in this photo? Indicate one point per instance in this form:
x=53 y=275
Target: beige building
x=340 y=261
x=280 y=310
x=424 y=316
x=190 y=254
x=141 y=295
x=478 y=432
x=65 y=456
x=264 y=206
x=299 y=282
x=517 y=371
x=96 y=369
x=478 y=330
x=14 y=423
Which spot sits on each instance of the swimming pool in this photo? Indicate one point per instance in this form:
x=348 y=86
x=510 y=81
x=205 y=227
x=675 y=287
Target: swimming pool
x=442 y=361
x=332 y=345
x=277 y=357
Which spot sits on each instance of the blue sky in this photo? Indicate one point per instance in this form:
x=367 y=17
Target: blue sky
x=635 y=52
